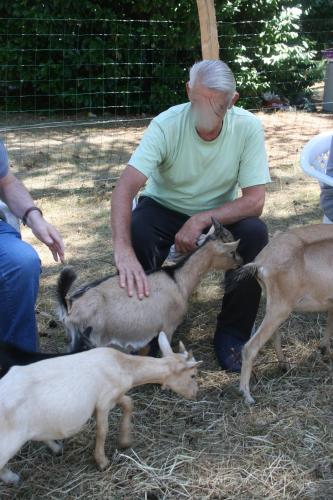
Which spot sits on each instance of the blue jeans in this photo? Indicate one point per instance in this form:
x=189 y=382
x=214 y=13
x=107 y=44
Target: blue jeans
x=19 y=283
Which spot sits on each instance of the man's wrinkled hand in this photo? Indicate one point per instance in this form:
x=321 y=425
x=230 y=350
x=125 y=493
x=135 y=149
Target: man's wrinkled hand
x=187 y=237
x=131 y=274
x=50 y=236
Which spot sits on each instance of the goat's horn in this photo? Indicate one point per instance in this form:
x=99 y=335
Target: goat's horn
x=217 y=225
x=181 y=347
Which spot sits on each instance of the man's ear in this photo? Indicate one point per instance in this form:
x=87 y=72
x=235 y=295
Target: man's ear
x=234 y=100
x=188 y=90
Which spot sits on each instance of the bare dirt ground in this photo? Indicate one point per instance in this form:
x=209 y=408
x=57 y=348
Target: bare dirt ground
x=216 y=447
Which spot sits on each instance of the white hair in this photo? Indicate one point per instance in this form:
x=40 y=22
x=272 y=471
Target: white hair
x=213 y=74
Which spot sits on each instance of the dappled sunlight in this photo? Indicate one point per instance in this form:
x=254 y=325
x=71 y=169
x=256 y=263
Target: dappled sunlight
x=216 y=446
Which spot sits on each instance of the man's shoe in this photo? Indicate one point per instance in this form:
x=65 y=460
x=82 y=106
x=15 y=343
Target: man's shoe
x=229 y=352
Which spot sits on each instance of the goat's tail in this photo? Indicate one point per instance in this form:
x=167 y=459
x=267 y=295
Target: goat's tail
x=65 y=281
x=232 y=278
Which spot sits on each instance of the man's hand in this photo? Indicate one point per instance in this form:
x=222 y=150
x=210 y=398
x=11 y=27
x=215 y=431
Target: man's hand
x=186 y=239
x=131 y=274
x=47 y=234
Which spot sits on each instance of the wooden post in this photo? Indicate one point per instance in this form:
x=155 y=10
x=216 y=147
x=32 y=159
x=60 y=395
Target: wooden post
x=208 y=29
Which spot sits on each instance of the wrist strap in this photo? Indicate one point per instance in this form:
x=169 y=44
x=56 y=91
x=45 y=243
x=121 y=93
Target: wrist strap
x=27 y=212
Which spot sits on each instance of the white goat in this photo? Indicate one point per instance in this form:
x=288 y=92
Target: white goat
x=54 y=398
x=129 y=323
x=295 y=271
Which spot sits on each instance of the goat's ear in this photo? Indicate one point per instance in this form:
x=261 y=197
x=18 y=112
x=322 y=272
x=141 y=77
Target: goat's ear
x=217 y=226
x=164 y=344
x=69 y=303
x=182 y=349
x=221 y=232
x=232 y=246
x=193 y=363
x=190 y=355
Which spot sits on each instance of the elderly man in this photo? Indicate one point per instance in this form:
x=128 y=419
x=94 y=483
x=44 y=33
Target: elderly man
x=19 y=262
x=194 y=157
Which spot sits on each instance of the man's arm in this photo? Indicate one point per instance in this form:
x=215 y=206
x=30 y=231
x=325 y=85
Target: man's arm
x=131 y=273
x=18 y=199
x=250 y=204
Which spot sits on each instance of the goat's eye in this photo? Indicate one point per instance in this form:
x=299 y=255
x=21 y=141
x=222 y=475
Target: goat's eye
x=193 y=376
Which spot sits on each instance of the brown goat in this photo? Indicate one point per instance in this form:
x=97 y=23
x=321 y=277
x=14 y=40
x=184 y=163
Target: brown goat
x=128 y=323
x=295 y=271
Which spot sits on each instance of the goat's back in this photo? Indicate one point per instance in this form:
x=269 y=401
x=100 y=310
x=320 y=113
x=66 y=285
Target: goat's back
x=284 y=248
x=128 y=322
x=313 y=233
x=299 y=263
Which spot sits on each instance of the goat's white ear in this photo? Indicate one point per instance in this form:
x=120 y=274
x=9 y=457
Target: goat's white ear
x=163 y=342
x=193 y=364
x=182 y=349
x=190 y=355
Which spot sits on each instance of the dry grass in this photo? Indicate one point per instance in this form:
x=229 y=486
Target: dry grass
x=216 y=447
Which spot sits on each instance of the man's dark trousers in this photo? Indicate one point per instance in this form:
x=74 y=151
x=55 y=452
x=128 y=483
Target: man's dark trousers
x=153 y=232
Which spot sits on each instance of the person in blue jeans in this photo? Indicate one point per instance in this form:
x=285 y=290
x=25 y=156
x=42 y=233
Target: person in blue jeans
x=326 y=191
x=19 y=263
x=193 y=161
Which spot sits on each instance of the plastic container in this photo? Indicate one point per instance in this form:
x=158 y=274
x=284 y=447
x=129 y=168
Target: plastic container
x=328 y=54
x=314 y=157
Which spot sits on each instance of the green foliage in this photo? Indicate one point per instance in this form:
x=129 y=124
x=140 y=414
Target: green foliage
x=271 y=54
x=129 y=57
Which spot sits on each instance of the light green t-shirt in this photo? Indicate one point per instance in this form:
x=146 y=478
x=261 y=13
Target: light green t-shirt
x=190 y=175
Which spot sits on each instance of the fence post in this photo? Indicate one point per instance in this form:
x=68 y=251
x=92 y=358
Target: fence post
x=208 y=29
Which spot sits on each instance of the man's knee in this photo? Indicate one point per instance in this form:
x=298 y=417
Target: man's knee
x=253 y=235
x=26 y=265
x=137 y=234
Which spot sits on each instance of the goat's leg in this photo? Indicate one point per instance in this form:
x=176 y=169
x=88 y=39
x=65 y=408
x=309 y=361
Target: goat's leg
x=9 y=477
x=126 y=405
x=267 y=328
x=55 y=446
x=10 y=445
x=283 y=363
x=101 y=431
x=325 y=342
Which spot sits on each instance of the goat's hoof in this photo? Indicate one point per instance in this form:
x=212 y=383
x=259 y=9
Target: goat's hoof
x=326 y=350
x=102 y=464
x=285 y=366
x=59 y=450
x=249 y=400
x=247 y=397
x=55 y=446
x=126 y=443
x=10 y=477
